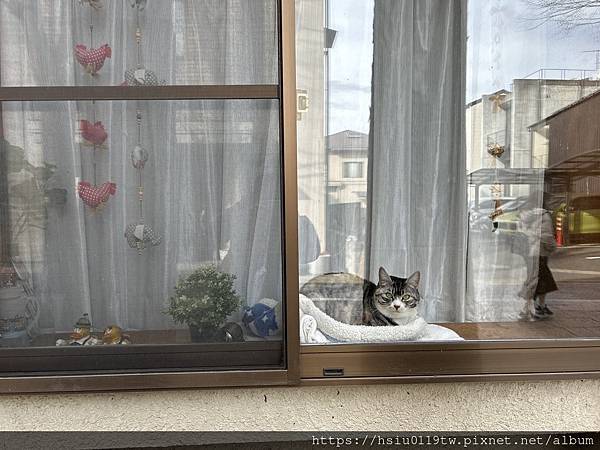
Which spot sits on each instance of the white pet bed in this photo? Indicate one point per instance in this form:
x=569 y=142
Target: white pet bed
x=318 y=327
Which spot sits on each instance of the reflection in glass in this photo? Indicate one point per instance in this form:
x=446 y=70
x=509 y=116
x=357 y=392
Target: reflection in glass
x=457 y=140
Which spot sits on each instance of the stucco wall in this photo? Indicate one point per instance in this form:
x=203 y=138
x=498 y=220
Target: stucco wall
x=553 y=405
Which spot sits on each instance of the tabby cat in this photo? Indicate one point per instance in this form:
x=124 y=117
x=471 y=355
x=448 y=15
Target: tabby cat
x=392 y=301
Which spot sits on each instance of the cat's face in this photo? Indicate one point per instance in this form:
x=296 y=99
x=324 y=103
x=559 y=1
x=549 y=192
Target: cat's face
x=397 y=298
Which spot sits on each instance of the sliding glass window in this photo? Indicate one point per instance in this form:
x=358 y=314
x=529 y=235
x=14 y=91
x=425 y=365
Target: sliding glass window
x=478 y=215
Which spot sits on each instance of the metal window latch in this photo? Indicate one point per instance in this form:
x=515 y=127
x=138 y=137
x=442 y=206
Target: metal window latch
x=333 y=372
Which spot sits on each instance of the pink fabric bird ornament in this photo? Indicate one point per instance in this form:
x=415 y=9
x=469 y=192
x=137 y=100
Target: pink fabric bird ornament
x=95 y=196
x=92 y=59
x=92 y=133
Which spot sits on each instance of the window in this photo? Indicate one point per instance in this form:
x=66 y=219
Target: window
x=141 y=194
x=353 y=169
x=476 y=233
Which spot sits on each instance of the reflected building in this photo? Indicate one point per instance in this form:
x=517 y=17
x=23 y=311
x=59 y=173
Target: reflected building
x=502 y=121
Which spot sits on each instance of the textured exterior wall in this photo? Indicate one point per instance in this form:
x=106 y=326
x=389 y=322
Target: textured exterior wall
x=553 y=405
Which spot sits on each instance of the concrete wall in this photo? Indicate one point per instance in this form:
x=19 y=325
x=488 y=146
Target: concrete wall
x=552 y=405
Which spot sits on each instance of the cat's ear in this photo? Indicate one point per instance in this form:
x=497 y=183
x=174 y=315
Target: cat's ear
x=384 y=278
x=413 y=280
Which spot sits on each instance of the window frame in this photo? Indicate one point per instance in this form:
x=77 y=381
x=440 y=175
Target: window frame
x=213 y=375
x=350 y=165
x=481 y=360
x=504 y=360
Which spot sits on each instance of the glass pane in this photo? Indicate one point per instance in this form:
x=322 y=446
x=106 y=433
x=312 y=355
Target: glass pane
x=95 y=42
x=449 y=171
x=154 y=223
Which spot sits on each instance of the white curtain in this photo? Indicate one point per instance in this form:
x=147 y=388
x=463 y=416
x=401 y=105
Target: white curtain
x=417 y=192
x=212 y=183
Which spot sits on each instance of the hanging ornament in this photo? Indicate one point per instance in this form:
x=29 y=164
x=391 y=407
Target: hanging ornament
x=496 y=150
x=92 y=59
x=96 y=4
x=139 y=235
x=93 y=134
x=498 y=100
x=140 y=76
x=139 y=156
x=139 y=4
x=96 y=196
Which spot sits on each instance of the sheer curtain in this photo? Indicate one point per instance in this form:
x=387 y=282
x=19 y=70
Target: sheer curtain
x=417 y=192
x=211 y=184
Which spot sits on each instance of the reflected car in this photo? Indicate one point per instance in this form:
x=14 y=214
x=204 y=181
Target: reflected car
x=479 y=216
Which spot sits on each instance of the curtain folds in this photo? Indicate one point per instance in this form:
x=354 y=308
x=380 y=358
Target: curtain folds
x=417 y=193
x=212 y=181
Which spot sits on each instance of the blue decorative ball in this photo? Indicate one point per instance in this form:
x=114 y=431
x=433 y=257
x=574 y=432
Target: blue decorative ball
x=264 y=318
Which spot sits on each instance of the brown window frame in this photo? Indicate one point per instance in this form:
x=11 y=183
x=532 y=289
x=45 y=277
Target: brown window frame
x=48 y=369
x=485 y=360
x=333 y=364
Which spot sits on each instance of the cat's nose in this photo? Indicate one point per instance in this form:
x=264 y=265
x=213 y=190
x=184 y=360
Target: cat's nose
x=397 y=307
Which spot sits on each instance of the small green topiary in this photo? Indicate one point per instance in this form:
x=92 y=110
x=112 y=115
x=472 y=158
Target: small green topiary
x=204 y=298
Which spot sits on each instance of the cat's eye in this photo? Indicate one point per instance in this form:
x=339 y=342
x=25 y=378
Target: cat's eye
x=406 y=297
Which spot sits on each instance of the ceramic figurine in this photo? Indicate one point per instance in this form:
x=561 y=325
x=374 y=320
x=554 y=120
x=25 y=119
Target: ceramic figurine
x=113 y=335
x=232 y=332
x=81 y=334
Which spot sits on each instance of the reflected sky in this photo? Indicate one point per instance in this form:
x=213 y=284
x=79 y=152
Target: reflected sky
x=505 y=42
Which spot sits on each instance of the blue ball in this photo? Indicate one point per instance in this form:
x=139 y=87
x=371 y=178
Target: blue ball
x=262 y=318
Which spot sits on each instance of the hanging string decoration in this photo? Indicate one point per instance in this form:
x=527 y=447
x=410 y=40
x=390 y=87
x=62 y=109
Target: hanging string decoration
x=92 y=59
x=93 y=133
x=96 y=4
x=139 y=235
x=139 y=4
x=140 y=76
x=96 y=196
x=495 y=150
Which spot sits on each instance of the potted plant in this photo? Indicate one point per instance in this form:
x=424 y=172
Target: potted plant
x=203 y=300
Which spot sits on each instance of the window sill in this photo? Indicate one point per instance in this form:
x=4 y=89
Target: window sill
x=464 y=361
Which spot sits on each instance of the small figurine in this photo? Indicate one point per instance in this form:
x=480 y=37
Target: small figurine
x=231 y=332
x=81 y=334
x=113 y=335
